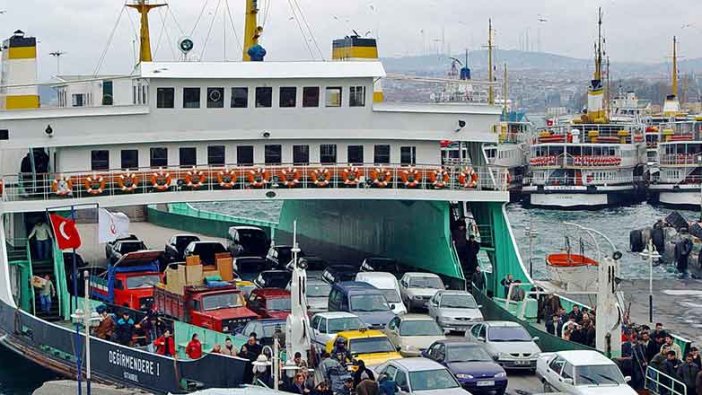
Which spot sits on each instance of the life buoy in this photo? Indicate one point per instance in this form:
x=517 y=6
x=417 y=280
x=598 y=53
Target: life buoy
x=226 y=179
x=161 y=180
x=468 y=178
x=411 y=177
x=290 y=177
x=380 y=177
x=509 y=177
x=351 y=176
x=439 y=178
x=128 y=182
x=95 y=184
x=62 y=186
x=321 y=177
x=195 y=179
x=258 y=178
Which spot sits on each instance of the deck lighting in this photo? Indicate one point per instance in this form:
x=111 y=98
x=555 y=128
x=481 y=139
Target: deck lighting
x=49 y=131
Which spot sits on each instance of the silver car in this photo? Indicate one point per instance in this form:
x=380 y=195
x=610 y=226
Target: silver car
x=508 y=343
x=421 y=376
x=317 y=295
x=455 y=310
x=417 y=288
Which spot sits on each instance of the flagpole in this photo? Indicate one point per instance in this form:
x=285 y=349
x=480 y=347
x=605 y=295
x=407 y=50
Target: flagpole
x=79 y=360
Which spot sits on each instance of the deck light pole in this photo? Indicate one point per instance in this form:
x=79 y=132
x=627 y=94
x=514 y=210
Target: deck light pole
x=531 y=234
x=89 y=320
x=650 y=253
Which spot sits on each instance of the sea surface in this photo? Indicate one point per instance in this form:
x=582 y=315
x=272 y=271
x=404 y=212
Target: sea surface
x=20 y=377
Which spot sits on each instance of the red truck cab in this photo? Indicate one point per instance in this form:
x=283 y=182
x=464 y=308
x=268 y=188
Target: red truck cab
x=129 y=282
x=270 y=302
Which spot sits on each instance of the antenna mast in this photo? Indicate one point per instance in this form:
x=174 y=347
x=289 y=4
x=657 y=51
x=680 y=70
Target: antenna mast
x=675 y=66
x=598 y=52
x=57 y=55
x=491 y=89
x=252 y=32
x=143 y=7
x=505 y=90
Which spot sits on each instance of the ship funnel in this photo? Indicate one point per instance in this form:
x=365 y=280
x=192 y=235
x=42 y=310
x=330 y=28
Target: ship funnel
x=358 y=49
x=18 y=84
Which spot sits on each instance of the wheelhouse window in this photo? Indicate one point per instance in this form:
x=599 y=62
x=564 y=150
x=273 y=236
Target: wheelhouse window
x=107 y=92
x=240 y=97
x=78 y=100
x=264 y=97
x=159 y=157
x=274 y=154
x=215 y=155
x=100 y=160
x=333 y=97
x=165 y=97
x=129 y=159
x=245 y=155
x=301 y=155
x=327 y=154
x=382 y=154
x=288 y=97
x=188 y=157
x=357 y=96
x=355 y=154
x=215 y=97
x=191 y=97
x=310 y=96
x=408 y=156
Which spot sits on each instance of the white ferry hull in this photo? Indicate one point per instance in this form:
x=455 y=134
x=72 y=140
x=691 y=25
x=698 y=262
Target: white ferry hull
x=580 y=197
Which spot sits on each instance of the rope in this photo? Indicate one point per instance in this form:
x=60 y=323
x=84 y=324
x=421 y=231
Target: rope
x=202 y=11
x=160 y=35
x=169 y=10
x=302 y=31
x=209 y=31
x=168 y=36
x=231 y=20
x=265 y=15
x=309 y=29
x=107 y=46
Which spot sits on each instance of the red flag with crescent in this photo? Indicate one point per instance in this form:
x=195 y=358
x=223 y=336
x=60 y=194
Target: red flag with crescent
x=65 y=231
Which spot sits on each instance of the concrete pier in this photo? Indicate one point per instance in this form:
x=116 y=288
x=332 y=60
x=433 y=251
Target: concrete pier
x=63 y=387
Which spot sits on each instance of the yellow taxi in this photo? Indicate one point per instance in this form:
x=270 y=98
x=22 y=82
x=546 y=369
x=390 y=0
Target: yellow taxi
x=371 y=346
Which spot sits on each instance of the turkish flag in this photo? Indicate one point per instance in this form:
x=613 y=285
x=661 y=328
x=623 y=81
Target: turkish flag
x=65 y=231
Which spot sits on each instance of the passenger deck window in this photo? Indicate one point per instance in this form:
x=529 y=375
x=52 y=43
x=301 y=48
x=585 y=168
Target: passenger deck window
x=245 y=155
x=333 y=97
x=288 y=97
x=240 y=97
x=215 y=155
x=273 y=154
x=327 y=154
x=408 y=156
x=159 y=157
x=165 y=98
x=130 y=159
x=357 y=97
x=188 y=157
x=355 y=154
x=191 y=97
x=215 y=97
x=301 y=155
x=310 y=96
x=264 y=97
x=100 y=160
x=382 y=154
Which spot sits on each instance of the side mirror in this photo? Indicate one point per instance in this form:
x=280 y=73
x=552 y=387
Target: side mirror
x=403 y=388
x=446 y=286
x=392 y=307
x=398 y=348
x=568 y=381
x=627 y=379
x=481 y=339
x=480 y=306
x=535 y=339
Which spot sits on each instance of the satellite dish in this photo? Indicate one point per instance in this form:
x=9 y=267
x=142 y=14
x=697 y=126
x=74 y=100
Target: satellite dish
x=186 y=45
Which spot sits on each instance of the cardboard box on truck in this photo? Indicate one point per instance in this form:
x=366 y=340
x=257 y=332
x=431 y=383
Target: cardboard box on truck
x=192 y=260
x=225 y=266
x=193 y=275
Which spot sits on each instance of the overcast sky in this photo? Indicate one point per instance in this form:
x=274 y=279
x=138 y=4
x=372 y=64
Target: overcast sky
x=636 y=30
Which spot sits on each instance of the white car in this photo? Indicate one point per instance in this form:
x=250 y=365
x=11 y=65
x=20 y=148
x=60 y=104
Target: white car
x=417 y=288
x=581 y=372
x=508 y=343
x=455 y=310
x=421 y=376
x=413 y=333
x=325 y=326
x=388 y=284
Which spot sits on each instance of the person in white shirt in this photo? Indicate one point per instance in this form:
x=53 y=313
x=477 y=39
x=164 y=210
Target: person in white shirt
x=42 y=233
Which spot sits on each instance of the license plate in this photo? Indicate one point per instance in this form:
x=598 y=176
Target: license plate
x=521 y=362
x=486 y=383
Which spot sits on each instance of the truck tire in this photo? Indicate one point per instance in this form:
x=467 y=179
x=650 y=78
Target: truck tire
x=658 y=238
x=635 y=241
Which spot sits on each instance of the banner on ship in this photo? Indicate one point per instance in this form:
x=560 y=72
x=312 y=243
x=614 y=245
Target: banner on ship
x=112 y=225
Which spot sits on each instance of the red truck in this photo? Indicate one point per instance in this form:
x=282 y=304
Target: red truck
x=129 y=282
x=220 y=308
x=270 y=302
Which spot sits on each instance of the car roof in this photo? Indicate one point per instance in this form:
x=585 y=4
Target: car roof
x=584 y=357
x=421 y=274
x=415 y=317
x=269 y=321
x=361 y=334
x=377 y=275
x=354 y=285
x=185 y=235
x=457 y=341
x=417 y=364
x=245 y=228
x=502 y=323
x=271 y=292
x=336 y=314
x=453 y=292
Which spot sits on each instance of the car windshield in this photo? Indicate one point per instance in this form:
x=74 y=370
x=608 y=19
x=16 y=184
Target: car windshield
x=368 y=303
x=458 y=301
x=318 y=290
x=142 y=282
x=429 y=380
x=248 y=266
x=391 y=295
x=279 y=304
x=336 y=325
x=221 y=301
x=269 y=330
x=425 y=282
x=508 y=334
x=467 y=353
x=315 y=264
x=131 y=247
x=420 y=328
x=253 y=238
x=207 y=251
x=598 y=375
x=370 y=345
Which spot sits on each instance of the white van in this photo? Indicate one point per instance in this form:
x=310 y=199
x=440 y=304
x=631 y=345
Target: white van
x=387 y=283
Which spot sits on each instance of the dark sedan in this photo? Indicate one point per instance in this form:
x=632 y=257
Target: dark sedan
x=273 y=279
x=337 y=273
x=471 y=365
x=175 y=248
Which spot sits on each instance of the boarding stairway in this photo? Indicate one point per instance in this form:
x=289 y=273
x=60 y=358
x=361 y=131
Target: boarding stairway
x=40 y=269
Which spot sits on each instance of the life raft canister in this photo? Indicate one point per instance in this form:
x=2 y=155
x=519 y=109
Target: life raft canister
x=289 y=176
x=351 y=175
x=62 y=186
x=226 y=178
x=321 y=177
x=468 y=178
x=380 y=177
x=439 y=178
x=411 y=177
x=95 y=184
x=128 y=182
x=195 y=179
x=258 y=178
x=161 y=180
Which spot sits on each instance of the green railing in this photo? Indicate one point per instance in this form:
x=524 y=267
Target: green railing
x=658 y=382
x=61 y=283
x=188 y=209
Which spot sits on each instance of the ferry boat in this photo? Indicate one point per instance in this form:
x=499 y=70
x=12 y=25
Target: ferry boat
x=591 y=162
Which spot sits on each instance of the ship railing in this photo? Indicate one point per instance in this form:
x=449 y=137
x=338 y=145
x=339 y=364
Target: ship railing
x=82 y=184
x=581 y=181
x=592 y=133
x=681 y=159
x=658 y=382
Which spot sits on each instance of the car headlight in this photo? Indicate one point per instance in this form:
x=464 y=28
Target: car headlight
x=501 y=374
x=464 y=376
x=409 y=347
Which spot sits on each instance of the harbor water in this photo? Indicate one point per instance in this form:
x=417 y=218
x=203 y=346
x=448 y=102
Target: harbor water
x=19 y=377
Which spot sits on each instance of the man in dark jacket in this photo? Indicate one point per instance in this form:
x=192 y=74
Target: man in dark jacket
x=124 y=329
x=472 y=249
x=682 y=252
x=687 y=372
x=362 y=373
x=649 y=346
x=478 y=280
